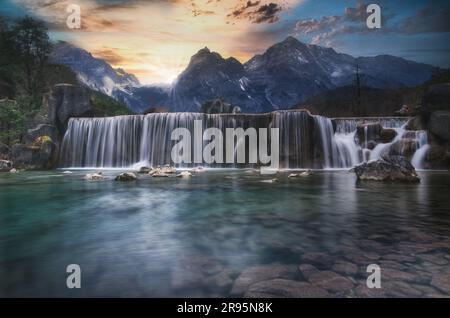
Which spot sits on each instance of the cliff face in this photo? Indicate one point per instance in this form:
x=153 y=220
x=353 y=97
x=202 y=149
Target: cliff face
x=39 y=147
x=434 y=116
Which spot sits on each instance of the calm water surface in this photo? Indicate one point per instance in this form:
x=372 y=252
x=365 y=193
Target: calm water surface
x=203 y=236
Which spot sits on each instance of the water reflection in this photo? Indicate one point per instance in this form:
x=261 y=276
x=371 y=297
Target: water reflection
x=198 y=236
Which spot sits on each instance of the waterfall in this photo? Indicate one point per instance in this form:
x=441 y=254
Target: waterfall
x=306 y=141
x=423 y=146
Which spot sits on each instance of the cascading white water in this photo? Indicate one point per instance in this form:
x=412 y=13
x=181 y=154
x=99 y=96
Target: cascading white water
x=346 y=131
x=423 y=146
x=306 y=141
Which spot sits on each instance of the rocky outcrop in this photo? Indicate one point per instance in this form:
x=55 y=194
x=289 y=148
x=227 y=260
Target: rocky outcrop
x=388 y=168
x=41 y=155
x=373 y=134
x=415 y=123
x=403 y=147
x=439 y=124
x=65 y=101
x=39 y=131
x=4 y=151
x=434 y=116
x=126 y=176
x=437 y=156
x=5 y=165
x=435 y=99
x=218 y=106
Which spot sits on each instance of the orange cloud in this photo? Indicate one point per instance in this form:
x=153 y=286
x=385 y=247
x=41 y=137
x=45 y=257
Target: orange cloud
x=156 y=39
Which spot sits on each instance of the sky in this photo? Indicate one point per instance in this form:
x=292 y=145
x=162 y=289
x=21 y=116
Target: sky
x=154 y=39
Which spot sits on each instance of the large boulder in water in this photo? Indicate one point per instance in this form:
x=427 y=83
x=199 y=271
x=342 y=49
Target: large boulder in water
x=126 y=176
x=65 y=101
x=388 y=168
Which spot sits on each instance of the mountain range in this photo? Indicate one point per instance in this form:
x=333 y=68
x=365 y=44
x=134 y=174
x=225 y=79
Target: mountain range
x=285 y=75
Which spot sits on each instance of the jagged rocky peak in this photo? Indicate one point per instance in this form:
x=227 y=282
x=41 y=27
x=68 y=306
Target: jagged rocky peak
x=205 y=55
x=93 y=72
x=207 y=58
x=290 y=51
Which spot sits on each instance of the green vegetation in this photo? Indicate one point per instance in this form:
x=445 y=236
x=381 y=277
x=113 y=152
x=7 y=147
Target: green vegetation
x=106 y=106
x=26 y=76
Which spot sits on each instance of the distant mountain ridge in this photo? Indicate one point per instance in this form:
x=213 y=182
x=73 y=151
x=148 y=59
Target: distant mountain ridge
x=286 y=74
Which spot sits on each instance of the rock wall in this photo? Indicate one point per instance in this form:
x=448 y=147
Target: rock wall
x=434 y=116
x=40 y=145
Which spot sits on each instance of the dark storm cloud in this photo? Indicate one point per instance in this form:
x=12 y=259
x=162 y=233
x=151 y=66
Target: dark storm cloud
x=267 y=13
x=257 y=13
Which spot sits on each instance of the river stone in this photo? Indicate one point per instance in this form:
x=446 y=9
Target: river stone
x=363 y=291
x=400 y=258
x=144 y=169
x=262 y=273
x=126 y=176
x=387 y=168
x=201 y=271
x=392 y=274
x=429 y=291
x=331 y=281
x=433 y=258
x=221 y=280
x=399 y=289
x=346 y=268
x=442 y=282
x=318 y=258
x=283 y=288
x=306 y=270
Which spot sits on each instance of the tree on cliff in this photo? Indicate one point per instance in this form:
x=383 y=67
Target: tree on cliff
x=24 y=52
x=32 y=47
